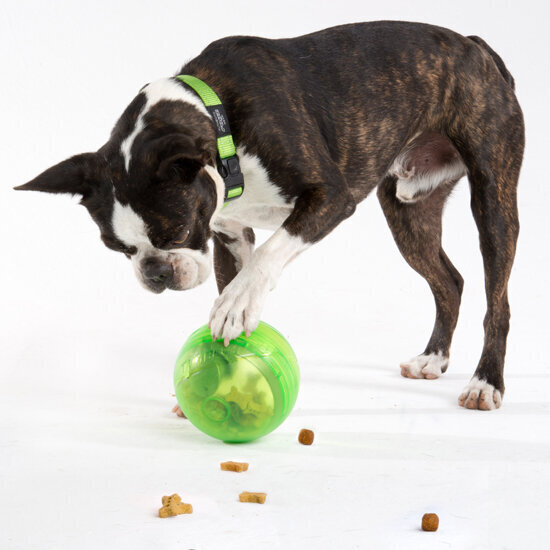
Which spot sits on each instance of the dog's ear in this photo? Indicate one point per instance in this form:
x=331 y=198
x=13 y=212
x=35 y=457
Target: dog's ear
x=179 y=155
x=76 y=175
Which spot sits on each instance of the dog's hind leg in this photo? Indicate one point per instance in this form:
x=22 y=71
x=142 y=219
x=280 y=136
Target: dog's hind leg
x=416 y=228
x=493 y=170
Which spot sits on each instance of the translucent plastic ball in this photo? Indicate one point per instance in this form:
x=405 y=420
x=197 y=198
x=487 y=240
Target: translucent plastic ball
x=240 y=392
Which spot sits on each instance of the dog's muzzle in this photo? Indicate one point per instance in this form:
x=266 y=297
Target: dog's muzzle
x=158 y=271
x=157 y=274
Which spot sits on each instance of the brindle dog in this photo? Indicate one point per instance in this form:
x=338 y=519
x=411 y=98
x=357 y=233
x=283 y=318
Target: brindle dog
x=319 y=122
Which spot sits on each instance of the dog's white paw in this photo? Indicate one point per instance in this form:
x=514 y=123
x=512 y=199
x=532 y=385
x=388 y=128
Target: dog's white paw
x=239 y=306
x=425 y=366
x=479 y=394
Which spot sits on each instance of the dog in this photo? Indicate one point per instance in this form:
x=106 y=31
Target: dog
x=318 y=122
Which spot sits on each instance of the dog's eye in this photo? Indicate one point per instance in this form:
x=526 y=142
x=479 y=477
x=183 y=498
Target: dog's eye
x=181 y=238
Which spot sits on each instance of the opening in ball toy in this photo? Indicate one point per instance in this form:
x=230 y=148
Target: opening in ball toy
x=240 y=392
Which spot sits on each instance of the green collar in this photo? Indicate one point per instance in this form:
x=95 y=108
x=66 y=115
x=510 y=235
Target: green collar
x=227 y=161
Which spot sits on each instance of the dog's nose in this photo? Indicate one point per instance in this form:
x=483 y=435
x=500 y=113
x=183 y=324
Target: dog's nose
x=157 y=271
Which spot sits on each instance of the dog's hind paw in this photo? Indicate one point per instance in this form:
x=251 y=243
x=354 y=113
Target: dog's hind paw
x=425 y=366
x=479 y=394
x=178 y=411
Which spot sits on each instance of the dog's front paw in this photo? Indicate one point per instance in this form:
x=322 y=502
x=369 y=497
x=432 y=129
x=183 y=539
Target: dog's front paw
x=425 y=366
x=239 y=306
x=479 y=394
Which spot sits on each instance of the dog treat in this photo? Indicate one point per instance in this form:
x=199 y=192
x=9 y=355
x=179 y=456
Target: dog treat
x=231 y=466
x=430 y=522
x=173 y=506
x=258 y=498
x=305 y=437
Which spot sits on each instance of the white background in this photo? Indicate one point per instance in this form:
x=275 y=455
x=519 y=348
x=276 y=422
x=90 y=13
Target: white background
x=87 y=442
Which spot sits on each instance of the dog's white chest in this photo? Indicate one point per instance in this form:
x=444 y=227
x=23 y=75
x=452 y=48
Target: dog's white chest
x=259 y=216
x=261 y=205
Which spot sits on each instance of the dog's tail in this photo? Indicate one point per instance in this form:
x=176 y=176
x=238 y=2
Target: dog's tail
x=497 y=59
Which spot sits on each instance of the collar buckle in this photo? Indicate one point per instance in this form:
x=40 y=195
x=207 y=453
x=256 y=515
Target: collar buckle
x=230 y=171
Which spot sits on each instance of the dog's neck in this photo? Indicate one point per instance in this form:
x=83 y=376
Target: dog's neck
x=172 y=104
x=169 y=104
x=159 y=95
x=226 y=159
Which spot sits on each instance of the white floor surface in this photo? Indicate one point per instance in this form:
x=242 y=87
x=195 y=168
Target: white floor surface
x=84 y=464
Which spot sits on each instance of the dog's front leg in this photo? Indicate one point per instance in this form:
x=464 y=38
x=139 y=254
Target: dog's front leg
x=233 y=248
x=316 y=212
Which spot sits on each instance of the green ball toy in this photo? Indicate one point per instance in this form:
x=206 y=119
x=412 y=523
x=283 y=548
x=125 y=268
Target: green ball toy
x=240 y=392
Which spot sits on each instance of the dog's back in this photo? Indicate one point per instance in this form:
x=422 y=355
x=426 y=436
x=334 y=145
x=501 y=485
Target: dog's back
x=361 y=91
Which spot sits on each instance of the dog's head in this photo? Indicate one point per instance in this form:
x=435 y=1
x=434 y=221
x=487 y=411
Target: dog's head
x=152 y=188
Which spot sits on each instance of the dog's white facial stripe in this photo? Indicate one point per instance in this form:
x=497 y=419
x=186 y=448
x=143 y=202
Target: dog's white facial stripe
x=126 y=145
x=129 y=226
x=165 y=89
